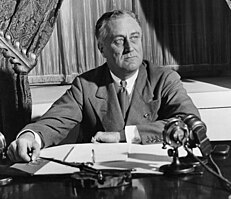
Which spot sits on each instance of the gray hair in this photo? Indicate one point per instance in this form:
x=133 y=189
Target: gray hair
x=100 y=30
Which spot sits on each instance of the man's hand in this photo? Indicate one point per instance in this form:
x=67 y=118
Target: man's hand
x=109 y=137
x=24 y=149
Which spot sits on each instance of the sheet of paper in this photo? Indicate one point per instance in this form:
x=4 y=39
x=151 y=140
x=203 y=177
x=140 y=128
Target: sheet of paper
x=44 y=167
x=144 y=158
x=102 y=152
x=57 y=152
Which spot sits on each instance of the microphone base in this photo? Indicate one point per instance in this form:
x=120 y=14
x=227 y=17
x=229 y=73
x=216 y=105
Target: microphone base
x=190 y=160
x=176 y=169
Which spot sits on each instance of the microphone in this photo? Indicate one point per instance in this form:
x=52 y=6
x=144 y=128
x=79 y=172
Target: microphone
x=198 y=135
x=175 y=133
x=187 y=130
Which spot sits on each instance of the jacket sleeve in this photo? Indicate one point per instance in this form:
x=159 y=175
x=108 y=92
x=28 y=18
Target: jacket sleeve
x=62 y=116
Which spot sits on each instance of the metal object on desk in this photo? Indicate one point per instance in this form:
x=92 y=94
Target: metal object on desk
x=175 y=134
x=198 y=129
x=2 y=146
x=190 y=132
x=102 y=179
x=5 y=181
x=89 y=177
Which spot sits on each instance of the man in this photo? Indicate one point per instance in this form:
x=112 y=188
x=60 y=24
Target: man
x=154 y=95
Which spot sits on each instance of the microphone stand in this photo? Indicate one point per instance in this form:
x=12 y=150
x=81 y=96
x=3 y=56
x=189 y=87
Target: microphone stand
x=190 y=160
x=176 y=167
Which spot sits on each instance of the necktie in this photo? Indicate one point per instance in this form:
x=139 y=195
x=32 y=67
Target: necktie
x=123 y=97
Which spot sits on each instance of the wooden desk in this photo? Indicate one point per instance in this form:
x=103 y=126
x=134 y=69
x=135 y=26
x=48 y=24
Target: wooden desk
x=190 y=186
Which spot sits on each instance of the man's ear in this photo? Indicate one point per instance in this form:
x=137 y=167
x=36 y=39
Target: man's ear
x=101 y=49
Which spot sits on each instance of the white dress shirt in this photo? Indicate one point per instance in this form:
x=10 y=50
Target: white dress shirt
x=131 y=131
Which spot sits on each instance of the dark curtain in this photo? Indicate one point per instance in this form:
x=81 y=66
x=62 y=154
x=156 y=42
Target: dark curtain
x=194 y=35
x=25 y=28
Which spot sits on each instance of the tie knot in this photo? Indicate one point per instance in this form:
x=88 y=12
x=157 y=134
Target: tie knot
x=123 y=83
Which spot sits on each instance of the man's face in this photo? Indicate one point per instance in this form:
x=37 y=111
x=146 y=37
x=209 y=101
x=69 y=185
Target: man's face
x=123 y=47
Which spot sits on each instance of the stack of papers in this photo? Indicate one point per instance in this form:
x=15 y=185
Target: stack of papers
x=140 y=158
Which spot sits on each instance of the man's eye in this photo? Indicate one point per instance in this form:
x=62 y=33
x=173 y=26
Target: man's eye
x=134 y=38
x=119 y=42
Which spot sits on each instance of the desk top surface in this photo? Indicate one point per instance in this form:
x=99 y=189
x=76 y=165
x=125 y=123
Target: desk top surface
x=151 y=186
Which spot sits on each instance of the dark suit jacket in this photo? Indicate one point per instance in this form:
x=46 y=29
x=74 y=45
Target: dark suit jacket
x=92 y=102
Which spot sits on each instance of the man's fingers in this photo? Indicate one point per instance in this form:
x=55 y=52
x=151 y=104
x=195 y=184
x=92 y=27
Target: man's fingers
x=35 y=151
x=97 y=137
x=23 y=150
x=12 y=153
x=94 y=140
x=109 y=137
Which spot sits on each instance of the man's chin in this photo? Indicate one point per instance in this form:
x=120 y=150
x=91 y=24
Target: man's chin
x=130 y=68
x=132 y=65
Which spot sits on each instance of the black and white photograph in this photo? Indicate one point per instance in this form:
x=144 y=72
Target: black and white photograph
x=107 y=99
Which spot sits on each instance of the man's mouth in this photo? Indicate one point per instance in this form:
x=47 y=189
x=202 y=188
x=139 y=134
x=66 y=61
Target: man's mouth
x=129 y=55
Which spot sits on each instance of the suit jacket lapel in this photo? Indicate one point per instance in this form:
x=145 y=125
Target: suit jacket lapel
x=107 y=105
x=142 y=106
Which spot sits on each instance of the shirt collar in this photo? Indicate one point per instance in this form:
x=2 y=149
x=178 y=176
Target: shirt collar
x=130 y=81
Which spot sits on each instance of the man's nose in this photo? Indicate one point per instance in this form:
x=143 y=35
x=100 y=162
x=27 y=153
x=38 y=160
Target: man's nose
x=128 y=46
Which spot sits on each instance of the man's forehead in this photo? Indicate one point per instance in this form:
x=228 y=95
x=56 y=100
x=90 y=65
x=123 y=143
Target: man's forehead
x=123 y=24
